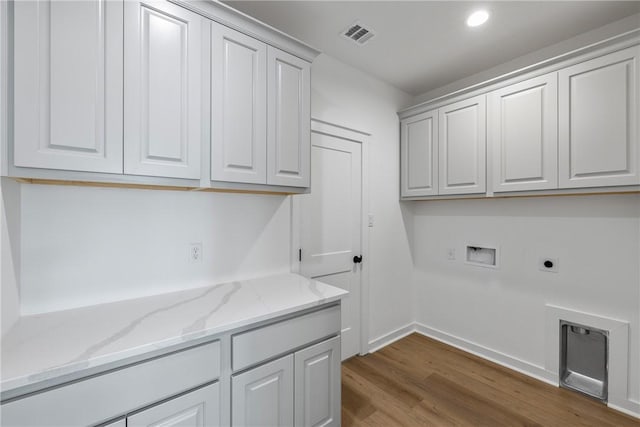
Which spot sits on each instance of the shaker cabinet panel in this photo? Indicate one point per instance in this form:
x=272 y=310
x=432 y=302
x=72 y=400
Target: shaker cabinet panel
x=289 y=126
x=68 y=85
x=462 y=147
x=163 y=85
x=238 y=107
x=317 y=384
x=522 y=135
x=419 y=155
x=199 y=408
x=598 y=135
x=263 y=396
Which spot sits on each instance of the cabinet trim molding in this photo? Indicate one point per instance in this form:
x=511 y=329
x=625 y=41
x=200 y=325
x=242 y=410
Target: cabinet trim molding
x=612 y=44
x=229 y=17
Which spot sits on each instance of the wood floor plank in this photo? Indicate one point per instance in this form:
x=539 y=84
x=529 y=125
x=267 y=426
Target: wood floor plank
x=447 y=360
x=420 y=381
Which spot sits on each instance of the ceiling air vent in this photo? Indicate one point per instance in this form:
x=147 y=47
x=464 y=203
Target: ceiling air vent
x=358 y=33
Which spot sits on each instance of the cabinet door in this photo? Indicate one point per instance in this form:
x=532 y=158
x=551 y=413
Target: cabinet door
x=598 y=122
x=289 y=119
x=163 y=85
x=238 y=107
x=419 y=155
x=198 y=408
x=523 y=135
x=263 y=396
x=317 y=384
x=461 y=145
x=68 y=85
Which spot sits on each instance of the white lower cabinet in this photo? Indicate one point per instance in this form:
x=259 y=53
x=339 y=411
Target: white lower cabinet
x=287 y=372
x=199 y=408
x=301 y=389
x=263 y=396
x=317 y=384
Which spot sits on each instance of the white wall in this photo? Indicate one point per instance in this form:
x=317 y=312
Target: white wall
x=345 y=96
x=500 y=313
x=83 y=246
x=595 y=238
x=9 y=252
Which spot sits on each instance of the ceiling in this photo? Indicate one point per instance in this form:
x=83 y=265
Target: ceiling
x=422 y=45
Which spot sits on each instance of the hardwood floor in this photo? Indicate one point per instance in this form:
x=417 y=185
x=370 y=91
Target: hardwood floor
x=418 y=381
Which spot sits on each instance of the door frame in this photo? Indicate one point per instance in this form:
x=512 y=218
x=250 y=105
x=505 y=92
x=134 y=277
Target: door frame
x=331 y=129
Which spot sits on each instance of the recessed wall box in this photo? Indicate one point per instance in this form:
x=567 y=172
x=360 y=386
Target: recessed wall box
x=584 y=359
x=482 y=255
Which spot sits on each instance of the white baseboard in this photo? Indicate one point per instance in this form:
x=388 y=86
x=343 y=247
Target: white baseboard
x=386 y=339
x=630 y=407
x=526 y=368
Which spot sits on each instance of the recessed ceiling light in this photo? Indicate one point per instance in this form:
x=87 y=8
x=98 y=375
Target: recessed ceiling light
x=477 y=18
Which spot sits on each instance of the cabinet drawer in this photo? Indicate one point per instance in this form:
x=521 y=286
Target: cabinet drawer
x=252 y=347
x=97 y=399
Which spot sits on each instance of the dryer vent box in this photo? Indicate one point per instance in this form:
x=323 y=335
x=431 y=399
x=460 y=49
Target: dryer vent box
x=482 y=256
x=584 y=354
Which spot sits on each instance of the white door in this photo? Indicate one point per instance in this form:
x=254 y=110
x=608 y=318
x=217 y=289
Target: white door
x=331 y=233
x=289 y=127
x=599 y=141
x=68 y=85
x=523 y=135
x=317 y=384
x=419 y=155
x=461 y=150
x=163 y=86
x=238 y=107
x=199 y=408
x=263 y=396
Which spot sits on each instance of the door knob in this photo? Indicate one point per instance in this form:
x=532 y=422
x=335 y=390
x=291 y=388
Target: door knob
x=357 y=259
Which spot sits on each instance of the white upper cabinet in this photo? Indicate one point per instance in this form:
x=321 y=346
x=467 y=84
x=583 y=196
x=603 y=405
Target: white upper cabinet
x=289 y=125
x=147 y=90
x=68 y=85
x=598 y=139
x=461 y=147
x=523 y=135
x=419 y=155
x=238 y=107
x=163 y=86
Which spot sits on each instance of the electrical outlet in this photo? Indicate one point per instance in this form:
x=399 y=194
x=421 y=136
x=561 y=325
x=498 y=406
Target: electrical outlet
x=195 y=252
x=548 y=264
x=451 y=254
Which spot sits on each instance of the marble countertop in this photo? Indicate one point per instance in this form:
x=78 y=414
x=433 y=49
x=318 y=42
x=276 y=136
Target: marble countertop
x=48 y=349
